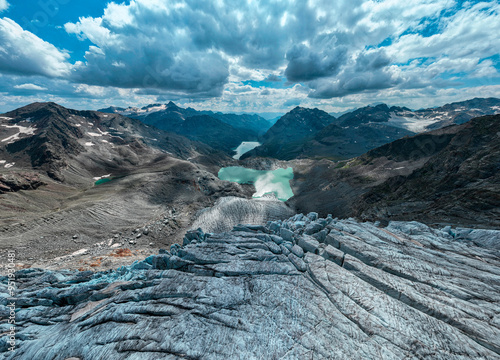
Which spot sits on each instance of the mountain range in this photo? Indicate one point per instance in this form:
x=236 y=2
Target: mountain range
x=220 y=131
x=51 y=159
x=361 y=130
x=126 y=238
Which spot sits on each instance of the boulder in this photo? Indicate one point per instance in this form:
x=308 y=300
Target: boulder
x=286 y=234
x=297 y=250
x=309 y=244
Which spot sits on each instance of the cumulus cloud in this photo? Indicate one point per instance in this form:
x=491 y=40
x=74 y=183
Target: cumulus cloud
x=272 y=78
x=4 y=5
x=30 y=87
x=192 y=47
x=226 y=52
x=305 y=64
x=24 y=53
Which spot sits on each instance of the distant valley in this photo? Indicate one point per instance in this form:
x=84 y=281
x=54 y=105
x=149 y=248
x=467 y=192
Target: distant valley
x=124 y=168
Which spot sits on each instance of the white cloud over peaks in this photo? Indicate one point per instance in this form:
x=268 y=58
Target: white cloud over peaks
x=4 y=5
x=195 y=48
x=208 y=49
x=24 y=53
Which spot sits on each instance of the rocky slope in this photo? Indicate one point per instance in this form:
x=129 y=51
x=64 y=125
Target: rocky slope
x=284 y=139
x=213 y=132
x=450 y=175
x=312 y=133
x=297 y=289
x=172 y=118
x=65 y=142
x=54 y=198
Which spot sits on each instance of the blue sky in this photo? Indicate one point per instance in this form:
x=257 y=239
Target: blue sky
x=248 y=55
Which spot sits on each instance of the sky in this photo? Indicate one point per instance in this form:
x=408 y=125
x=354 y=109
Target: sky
x=248 y=55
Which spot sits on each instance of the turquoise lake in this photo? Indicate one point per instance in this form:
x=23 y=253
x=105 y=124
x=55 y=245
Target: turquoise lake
x=265 y=181
x=103 y=181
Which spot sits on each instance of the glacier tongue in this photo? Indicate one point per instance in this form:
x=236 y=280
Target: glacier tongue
x=353 y=291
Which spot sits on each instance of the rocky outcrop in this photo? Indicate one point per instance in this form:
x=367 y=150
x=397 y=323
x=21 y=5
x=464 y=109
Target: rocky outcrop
x=13 y=181
x=446 y=176
x=306 y=287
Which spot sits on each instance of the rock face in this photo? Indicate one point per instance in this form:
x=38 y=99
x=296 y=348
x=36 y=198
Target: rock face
x=12 y=182
x=284 y=139
x=61 y=141
x=450 y=175
x=352 y=291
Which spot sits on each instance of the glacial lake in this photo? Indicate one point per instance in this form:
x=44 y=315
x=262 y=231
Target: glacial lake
x=265 y=181
x=244 y=147
x=103 y=181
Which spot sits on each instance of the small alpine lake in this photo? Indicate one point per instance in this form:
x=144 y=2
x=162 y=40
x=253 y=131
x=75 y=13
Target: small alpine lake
x=265 y=181
x=245 y=147
x=103 y=181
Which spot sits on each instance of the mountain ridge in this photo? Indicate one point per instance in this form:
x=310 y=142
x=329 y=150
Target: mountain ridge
x=363 y=129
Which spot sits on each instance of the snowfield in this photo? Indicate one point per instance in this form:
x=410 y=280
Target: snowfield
x=22 y=130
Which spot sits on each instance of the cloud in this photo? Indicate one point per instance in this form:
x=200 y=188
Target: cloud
x=30 y=87
x=273 y=78
x=24 y=53
x=305 y=64
x=133 y=48
x=191 y=47
x=4 y=5
x=353 y=83
x=235 y=53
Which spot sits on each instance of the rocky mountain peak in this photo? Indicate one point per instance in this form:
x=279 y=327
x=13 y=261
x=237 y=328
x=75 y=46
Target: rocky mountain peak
x=172 y=105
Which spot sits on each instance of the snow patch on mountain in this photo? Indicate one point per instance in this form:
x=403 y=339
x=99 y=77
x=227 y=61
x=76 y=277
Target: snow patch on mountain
x=416 y=123
x=22 y=130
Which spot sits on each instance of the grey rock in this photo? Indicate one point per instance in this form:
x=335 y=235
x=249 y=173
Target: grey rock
x=313 y=228
x=160 y=262
x=333 y=254
x=284 y=250
x=312 y=216
x=297 y=250
x=174 y=248
x=275 y=249
x=489 y=239
x=286 y=234
x=142 y=265
x=274 y=227
x=309 y=244
x=321 y=236
x=277 y=239
x=297 y=262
